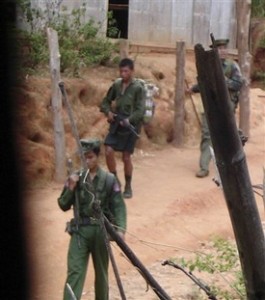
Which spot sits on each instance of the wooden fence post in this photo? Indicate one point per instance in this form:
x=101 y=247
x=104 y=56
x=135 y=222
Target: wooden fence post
x=243 y=8
x=233 y=170
x=59 y=137
x=178 y=138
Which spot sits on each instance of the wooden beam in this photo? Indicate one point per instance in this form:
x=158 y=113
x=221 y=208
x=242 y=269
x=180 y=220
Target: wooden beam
x=118 y=6
x=178 y=138
x=243 y=8
x=59 y=136
x=233 y=170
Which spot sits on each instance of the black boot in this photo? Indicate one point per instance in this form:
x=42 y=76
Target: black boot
x=128 y=189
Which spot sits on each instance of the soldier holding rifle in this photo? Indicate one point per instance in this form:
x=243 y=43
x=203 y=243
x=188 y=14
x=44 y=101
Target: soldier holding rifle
x=93 y=188
x=234 y=83
x=124 y=108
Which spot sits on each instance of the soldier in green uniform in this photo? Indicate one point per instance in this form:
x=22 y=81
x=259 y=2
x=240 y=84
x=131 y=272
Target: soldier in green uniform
x=234 y=83
x=124 y=107
x=87 y=236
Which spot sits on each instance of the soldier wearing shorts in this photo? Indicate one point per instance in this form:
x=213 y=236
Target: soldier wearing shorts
x=124 y=108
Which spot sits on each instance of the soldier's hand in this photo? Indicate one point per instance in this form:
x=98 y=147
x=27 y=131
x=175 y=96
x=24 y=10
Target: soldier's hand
x=110 y=117
x=121 y=235
x=125 y=123
x=72 y=181
x=189 y=91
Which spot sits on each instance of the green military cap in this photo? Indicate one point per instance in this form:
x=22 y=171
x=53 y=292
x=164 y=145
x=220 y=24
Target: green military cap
x=89 y=144
x=220 y=42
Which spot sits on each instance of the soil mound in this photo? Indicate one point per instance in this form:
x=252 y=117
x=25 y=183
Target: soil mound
x=34 y=114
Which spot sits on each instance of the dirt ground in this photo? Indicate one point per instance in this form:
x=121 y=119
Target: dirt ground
x=171 y=214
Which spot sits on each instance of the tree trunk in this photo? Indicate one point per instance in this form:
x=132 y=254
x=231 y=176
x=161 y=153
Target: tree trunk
x=232 y=166
x=178 y=138
x=59 y=137
x=243 y=8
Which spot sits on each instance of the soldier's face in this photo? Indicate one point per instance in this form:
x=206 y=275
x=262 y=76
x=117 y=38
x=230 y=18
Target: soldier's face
x=126 y=73
x=222 y=50
x=91 y=160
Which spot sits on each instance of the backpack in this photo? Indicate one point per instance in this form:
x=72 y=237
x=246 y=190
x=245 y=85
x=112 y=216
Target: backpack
x=150 y=90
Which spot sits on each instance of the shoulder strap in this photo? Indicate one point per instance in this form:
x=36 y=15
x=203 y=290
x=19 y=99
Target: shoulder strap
x=106 y=181
x=102 y=180
x=110 y=179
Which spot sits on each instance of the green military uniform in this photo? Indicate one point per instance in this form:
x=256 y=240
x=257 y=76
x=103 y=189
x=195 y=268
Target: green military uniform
x=128 y=104
x=89 y=238
x=234 y=82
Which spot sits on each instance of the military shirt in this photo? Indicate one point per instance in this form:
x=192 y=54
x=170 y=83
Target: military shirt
x=129 y=102
x=112 y=203
x=233 y=79
x=233 y=76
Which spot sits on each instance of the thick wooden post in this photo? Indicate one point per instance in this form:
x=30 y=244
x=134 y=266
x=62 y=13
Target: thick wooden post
x=232 y=166
x=178 y=139
x=59 y=137
x=243 y=8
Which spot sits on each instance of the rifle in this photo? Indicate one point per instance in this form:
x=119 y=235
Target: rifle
x=197 y=281
x=118 y=118
x=76 y=204
x=81 y=154
x=73 y=125
x=193 y=105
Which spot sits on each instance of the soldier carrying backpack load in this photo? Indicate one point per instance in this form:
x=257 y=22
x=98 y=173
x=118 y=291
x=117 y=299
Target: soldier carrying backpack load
x=125 y=98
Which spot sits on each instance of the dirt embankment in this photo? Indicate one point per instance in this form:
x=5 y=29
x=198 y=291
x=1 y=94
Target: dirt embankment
x=35 y=118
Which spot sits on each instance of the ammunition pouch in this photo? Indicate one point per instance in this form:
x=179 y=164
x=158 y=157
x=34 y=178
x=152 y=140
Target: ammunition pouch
x=71 y=226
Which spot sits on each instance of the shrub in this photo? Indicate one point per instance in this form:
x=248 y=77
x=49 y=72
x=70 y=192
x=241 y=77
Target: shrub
x=221 y=258
x=79 y=42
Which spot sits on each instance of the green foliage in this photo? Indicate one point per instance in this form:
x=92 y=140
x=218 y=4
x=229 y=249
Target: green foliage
x=222 y=258
x=112 y=31
x=79 y=42
x=257 y=8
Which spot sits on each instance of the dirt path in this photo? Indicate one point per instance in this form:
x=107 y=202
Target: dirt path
x=170 y=207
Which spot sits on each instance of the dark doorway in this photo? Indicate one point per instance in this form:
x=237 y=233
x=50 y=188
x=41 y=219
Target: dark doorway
x=119 y=10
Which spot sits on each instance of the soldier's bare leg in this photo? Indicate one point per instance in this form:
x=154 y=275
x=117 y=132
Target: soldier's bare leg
x=128 y=170
x=110 y=159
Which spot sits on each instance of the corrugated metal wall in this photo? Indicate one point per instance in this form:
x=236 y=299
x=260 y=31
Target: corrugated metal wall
x=166 y=21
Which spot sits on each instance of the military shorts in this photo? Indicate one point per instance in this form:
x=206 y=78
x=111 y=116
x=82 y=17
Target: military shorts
x=123 y=140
